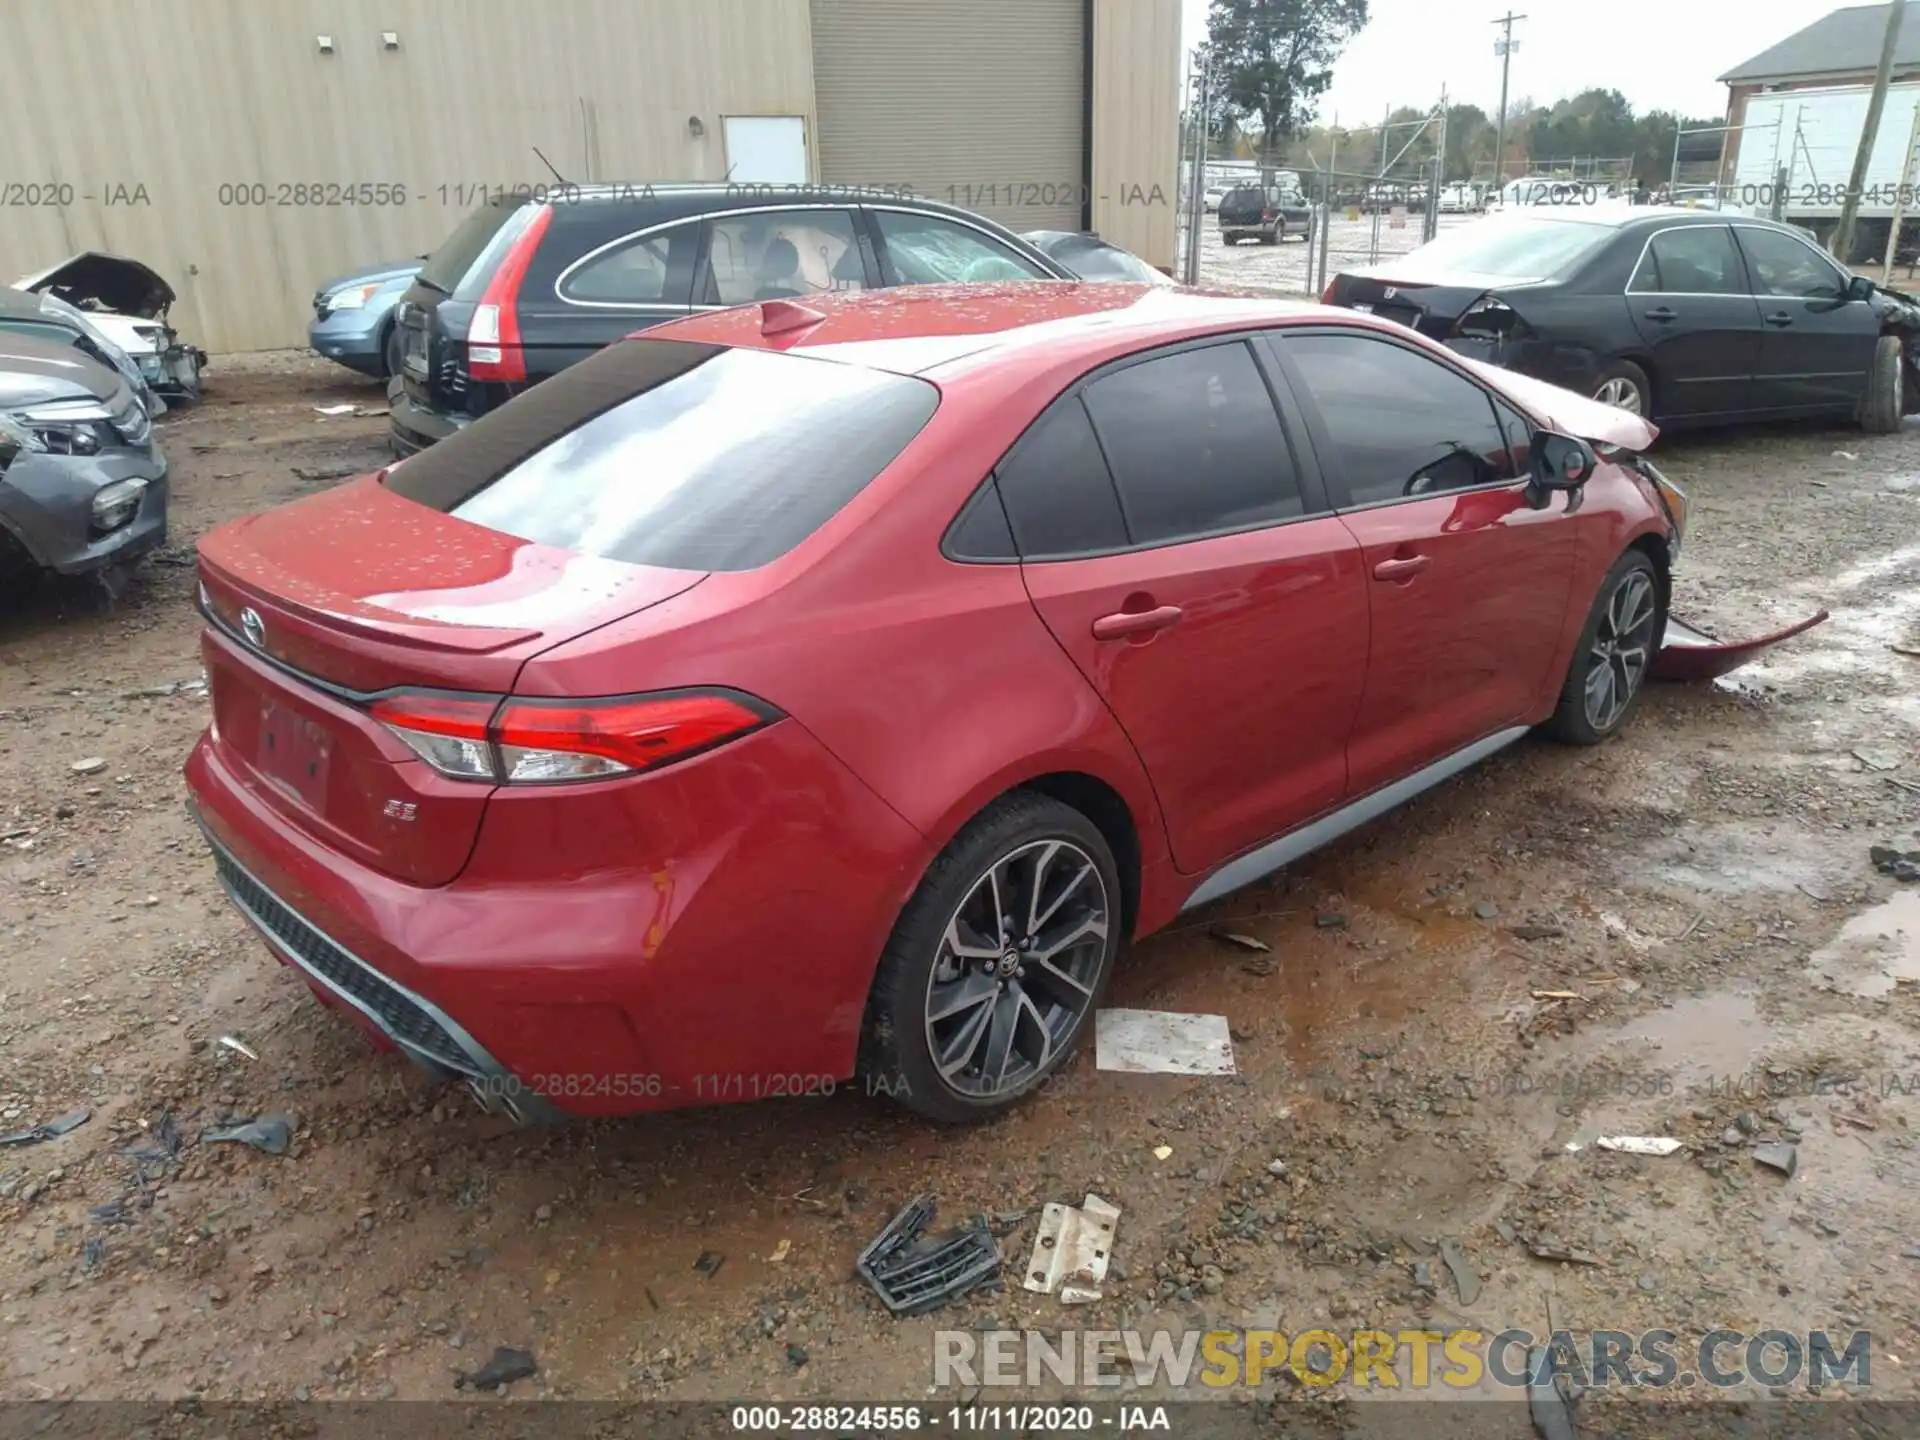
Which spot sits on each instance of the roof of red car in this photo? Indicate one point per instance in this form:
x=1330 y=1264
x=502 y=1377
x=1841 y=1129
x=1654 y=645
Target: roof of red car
x=915 y=329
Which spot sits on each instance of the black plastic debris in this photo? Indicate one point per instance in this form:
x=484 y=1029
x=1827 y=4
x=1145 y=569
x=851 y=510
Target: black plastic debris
x=913 y=1275
x=162 y=1142
x=270 y=1134
x=113 y=1212
x=1464 y=1278
x=48 y=1130
x=1900 y=864
x=92 y=1253
x=1552 y=1416
x=506 y=1366
x=709 y=1263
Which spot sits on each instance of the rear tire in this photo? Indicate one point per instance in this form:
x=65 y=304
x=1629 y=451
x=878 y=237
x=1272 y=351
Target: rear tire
x=1880 y=406
x=1270 y=237
x=1621 y=637
x=1014 y=1009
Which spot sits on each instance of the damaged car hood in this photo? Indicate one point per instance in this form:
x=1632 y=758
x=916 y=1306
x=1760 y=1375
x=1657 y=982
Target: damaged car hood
x=108 y=282
x=1568 y=412
x=131 y=333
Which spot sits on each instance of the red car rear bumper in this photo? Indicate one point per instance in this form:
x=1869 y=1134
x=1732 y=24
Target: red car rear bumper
x=705 y=934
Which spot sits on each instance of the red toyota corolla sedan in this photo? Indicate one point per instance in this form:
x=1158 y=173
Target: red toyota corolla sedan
x=794 y=693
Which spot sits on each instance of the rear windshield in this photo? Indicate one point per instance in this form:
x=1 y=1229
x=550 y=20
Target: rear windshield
x=1091 y=260
x=722 y=459
x=454 y=257
x=1247 y=195
x=1519 y=248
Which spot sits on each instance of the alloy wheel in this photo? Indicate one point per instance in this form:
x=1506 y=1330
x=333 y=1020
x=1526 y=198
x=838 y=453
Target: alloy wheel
x=1622 y=646
x=1619 y=392
x=1017 y=967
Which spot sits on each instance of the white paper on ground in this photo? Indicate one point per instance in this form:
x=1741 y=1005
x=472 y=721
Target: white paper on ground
x=1162 y=1042
x=1639 y=1144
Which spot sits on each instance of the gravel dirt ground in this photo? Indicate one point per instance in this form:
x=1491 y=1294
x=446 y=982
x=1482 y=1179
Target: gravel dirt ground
x=1679 y=933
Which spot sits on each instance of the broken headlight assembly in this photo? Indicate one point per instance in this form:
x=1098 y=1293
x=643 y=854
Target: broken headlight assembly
x=65 y=428
x=1490 y=318
x=116 y=504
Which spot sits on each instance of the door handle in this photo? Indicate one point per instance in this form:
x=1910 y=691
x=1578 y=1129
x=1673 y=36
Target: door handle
x=1780 y=318
x=1404 y=568
x=1661 y=314
x=1135 y=622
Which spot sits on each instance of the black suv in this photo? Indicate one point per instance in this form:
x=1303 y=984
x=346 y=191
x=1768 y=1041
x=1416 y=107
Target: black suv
x=1266 y=212
x=528 y=285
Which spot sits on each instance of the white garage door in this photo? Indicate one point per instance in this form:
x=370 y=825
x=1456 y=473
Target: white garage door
x=979 y=103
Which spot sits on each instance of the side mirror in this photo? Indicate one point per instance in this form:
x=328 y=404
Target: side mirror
x=1559 y=462
x=1859 y=287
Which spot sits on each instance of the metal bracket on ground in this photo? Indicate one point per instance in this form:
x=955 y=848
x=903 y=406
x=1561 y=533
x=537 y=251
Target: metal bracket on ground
x=1071 y=1252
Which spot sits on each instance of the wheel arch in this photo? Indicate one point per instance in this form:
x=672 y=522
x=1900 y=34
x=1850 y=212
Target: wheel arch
x=1654 y=546
x=1643 y=360
x=1111 y=815
x=1102 y=798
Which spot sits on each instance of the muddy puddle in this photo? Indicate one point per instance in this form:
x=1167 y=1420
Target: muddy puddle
x=1875 y=608
x=1876 y=951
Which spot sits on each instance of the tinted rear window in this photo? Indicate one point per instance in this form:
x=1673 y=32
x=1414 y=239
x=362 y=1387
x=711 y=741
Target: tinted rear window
x=1529 y=248
x=455 y=255
x=1091 y=260
x=719 y=459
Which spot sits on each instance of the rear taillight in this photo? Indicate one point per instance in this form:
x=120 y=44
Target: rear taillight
x=519 y=741
x=1266 y=217
x=493 y=335
x=1326 y=295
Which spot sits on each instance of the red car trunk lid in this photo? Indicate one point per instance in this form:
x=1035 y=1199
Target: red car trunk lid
x=318 y=605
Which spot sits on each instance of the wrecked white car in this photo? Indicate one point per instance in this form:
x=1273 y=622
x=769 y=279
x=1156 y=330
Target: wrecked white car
x=129 y=302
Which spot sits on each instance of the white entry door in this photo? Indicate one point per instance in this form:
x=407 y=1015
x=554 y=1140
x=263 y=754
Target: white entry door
x=766 y=149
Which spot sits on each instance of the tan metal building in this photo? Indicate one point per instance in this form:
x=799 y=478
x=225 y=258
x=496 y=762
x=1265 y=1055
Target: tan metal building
x=249 y=150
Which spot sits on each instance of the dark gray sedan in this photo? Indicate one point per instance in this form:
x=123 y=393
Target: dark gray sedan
x=83 y=487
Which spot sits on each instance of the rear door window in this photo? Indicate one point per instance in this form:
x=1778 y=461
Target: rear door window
x=1057 y=489
x=781 y=255
x=654 y=269
x=1195 y=445
x=1696 y=260
x=930 y=250
x=711 y=459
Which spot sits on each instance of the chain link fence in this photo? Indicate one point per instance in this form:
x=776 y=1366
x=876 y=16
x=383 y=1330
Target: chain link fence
x=1348 y=219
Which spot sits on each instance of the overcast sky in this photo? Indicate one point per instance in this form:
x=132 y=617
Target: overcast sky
x=1662 y=54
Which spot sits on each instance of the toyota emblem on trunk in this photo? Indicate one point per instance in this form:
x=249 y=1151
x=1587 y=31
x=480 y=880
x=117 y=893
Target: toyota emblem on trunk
x=1389 y=293
x=253 y=627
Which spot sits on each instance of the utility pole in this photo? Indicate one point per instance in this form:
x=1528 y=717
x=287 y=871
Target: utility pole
x=1504 y=48
x=1900 y=198
x=1850 y=202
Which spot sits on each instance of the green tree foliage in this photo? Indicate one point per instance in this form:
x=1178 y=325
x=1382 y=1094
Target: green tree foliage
x=1273 y=59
